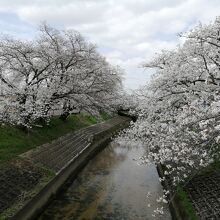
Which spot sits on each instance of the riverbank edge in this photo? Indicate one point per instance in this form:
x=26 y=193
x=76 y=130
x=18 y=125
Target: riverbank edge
x=35 y=206
x=176 y=208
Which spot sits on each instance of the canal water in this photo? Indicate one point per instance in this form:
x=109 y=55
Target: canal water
x=113 y=186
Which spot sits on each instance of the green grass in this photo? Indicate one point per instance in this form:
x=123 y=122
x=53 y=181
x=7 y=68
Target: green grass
x=187 y=208
x=215 y=165
x=14 y=141
x=105 y=116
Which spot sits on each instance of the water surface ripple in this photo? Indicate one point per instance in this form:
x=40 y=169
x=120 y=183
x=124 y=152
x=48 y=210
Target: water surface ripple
x=111 y=187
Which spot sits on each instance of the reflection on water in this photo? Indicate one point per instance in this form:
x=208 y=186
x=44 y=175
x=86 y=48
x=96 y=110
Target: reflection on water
x=111 y=187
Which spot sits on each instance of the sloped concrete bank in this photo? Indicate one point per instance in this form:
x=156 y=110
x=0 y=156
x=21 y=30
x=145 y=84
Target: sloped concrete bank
x=66 y=157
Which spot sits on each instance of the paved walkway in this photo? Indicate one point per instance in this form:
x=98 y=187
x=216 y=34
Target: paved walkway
x=21 y=175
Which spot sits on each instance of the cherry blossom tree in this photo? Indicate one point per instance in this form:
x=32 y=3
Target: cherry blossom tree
x=178 y=111
x=84 y=79
x=22 y=73
x=57 y=70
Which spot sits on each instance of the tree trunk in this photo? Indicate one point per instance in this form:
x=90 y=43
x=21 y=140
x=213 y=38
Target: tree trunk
x=66 y=110
x=64 y=116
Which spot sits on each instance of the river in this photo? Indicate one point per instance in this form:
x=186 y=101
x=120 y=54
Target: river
x=113 y=186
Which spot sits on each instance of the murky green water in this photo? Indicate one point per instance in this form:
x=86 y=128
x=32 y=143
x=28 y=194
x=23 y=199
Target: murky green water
x=111 y=187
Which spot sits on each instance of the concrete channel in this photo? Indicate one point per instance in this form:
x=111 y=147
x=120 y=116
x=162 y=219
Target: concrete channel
x=66 y=156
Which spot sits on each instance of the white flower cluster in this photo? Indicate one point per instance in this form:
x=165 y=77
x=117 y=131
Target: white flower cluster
x=179 y=116
x=55 y=74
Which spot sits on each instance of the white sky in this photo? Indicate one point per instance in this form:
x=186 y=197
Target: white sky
x=127 y=32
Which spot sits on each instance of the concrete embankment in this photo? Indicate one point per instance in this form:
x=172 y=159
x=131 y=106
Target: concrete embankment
x=202 y=192
x=65 y=157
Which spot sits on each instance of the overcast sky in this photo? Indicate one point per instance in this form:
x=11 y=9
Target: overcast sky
x=127 y=32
